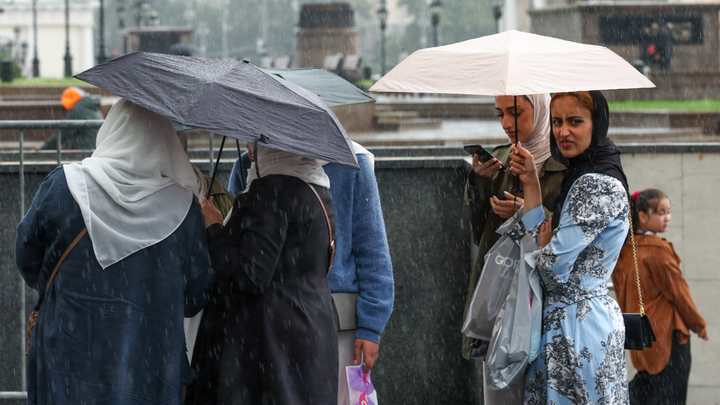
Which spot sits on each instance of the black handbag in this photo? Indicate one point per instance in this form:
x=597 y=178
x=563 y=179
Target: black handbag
x=638 y=330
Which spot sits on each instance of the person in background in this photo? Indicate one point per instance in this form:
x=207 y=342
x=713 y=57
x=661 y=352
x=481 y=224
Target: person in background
x=665 y=43
x=362 y=262
x=268 y=335
x=488 y=198
x=664 y=369
x=110 y=328
x=80 y=106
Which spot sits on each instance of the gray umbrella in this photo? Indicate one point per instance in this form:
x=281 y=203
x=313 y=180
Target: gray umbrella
x=330 y=87
x=230 y=98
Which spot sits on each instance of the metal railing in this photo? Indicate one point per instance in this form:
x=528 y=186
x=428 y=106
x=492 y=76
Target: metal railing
x=23 y=125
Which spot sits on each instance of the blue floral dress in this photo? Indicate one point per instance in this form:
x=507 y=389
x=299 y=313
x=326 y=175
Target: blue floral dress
x=582 y=360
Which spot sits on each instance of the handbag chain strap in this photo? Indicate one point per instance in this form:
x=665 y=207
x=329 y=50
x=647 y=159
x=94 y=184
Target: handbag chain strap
x=637 y=272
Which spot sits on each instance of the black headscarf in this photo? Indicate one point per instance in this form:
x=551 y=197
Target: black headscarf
x=601 y=157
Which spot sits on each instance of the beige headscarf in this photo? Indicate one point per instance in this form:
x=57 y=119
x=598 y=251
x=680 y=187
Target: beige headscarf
x=137 y=187
x=538 y=143
x=273 y=161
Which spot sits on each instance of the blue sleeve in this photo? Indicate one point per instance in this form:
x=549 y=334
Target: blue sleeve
x=198 y=272
x=535 y=217
x=235 y=184
x=372 y=255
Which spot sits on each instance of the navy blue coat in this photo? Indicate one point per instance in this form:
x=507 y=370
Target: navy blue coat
x=112 y=336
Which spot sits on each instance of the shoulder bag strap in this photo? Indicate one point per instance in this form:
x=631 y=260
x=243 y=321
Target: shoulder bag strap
x=637 y=272
x=331 y=248
x=62 y=258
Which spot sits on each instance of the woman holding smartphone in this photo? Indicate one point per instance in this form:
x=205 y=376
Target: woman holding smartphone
x=489 y=197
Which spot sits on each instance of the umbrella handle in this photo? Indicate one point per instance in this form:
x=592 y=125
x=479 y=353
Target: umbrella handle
x=517 y=178
x=257 y=167
x=217 y=162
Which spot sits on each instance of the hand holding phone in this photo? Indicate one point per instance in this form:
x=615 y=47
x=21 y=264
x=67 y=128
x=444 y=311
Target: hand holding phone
x=484 y=163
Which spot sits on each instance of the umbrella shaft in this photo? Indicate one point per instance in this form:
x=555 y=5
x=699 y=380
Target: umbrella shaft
x=217 y=162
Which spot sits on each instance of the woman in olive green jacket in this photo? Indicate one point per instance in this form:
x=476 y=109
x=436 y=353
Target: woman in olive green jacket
x=489 y=200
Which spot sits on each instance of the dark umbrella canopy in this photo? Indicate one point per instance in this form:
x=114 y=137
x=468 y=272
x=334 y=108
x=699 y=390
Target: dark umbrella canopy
x=330 y=87
x=230 y=98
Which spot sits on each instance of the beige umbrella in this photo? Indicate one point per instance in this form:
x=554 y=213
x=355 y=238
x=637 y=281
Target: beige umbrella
x=511 y=63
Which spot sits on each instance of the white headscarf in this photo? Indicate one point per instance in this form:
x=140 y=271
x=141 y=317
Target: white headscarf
x=202 y=183
x=273 y=161
x=538 y=143
x=137 y=187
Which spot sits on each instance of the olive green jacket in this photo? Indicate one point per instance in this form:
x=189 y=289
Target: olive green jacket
x=484 y=222
x=222 y=199
x=87 y=108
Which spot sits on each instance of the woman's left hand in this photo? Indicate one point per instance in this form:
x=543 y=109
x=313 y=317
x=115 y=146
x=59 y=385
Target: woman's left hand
x=545 y=233
x=506 y=208
x=212 y=215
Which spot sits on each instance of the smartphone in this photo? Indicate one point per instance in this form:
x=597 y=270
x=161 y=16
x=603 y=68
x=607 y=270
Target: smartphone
x=483 y=155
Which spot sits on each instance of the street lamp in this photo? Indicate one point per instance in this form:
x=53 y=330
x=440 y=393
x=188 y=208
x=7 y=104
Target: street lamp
x=497 y=13
x=102 y=54
x=120 y=11
x=382 y=15
x=36 y=61
x=435 y=19
x=16 y=46
x=68 y=57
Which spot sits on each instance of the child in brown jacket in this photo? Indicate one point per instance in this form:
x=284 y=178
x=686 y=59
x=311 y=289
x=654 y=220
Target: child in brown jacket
x=664 y=369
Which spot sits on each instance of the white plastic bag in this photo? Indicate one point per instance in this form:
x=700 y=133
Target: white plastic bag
x=511 y=345
x=360 y=387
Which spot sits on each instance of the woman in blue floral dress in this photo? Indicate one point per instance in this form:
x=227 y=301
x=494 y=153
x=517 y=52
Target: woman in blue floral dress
x=582 y=359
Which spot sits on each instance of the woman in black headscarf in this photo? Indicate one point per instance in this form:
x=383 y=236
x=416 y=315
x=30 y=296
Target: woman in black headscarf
x=582 y=360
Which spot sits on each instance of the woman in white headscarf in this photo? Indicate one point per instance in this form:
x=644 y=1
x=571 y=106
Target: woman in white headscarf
x=268 y=334
x=110 y=327
x=489 y=196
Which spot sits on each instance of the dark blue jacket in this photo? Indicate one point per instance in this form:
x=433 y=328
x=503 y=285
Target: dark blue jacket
x=112 y=336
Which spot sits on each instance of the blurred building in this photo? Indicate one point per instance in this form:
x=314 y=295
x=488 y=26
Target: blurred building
x=328 y=38
x=159 y=39
x=326 y=30
x=50 y=34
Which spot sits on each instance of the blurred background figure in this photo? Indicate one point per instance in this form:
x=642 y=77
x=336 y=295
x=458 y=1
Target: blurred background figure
x=658 y=49
x=362 y=268
x=80 y=106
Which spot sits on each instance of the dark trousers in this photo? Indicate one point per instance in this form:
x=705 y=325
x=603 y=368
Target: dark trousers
x=669 y=387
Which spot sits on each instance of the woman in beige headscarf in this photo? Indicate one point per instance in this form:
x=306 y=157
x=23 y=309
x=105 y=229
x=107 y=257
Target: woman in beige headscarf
x=489 y=197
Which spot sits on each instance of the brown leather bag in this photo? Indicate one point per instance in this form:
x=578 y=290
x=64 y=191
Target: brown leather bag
x=331 y=245
x=32 y=320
